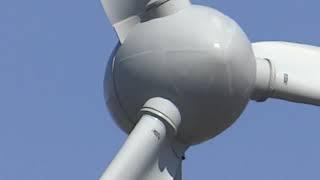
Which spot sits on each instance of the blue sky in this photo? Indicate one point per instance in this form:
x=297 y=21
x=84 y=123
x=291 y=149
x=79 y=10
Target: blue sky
x=54 y=125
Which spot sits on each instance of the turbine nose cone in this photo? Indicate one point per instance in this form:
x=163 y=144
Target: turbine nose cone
x=198 y=58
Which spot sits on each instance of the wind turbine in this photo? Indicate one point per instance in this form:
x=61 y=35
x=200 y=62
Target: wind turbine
x=182 y=73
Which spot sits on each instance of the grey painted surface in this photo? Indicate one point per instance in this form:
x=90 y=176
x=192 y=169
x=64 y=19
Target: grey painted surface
x=204 y=63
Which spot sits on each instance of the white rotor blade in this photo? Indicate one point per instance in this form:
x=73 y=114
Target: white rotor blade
x=124 y=14
x=287 y=71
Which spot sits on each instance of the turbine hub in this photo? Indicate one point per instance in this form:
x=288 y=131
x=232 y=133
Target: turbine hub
x=197 y=58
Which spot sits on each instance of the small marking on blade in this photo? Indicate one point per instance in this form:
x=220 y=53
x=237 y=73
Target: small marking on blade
x=157 y=134
x=286 y=78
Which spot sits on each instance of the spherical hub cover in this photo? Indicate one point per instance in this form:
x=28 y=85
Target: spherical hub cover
x=198 y=58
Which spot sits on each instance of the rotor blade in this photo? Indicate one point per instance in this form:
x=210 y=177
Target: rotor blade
x=124 y=14
x=287 y=71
